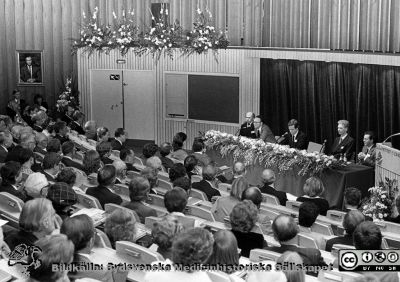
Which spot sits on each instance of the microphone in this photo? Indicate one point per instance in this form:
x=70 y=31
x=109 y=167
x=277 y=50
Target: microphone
x=280 y=139
x=323 y=146
x=284 y=134
x=395 y=134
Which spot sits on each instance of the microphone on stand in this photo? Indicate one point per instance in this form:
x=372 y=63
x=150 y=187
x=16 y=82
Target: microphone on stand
x=395 y=134
x=323 y=147
x=280 y=139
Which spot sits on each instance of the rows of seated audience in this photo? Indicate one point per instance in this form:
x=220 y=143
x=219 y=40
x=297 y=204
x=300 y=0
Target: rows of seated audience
x=50 y=166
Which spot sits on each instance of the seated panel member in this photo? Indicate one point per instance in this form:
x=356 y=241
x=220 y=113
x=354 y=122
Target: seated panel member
x=344 y=144
x=295 y=139
x=262 y=131
x=367 y=154
x=247 y=128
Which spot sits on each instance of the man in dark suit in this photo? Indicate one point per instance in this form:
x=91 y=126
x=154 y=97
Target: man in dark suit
x=247 y=128
x=61 y=130
x=127 y=155
x=30 y=73
x=295 y=139
x=343 y=146
x=199 y=153
x=285 y=231
x=75 y=124
x=262 y=131
x=9 y=173
x=120 y=137
x=5 y=143
x=206 y=185
x=106 y=180
x=39 y=120
x=268 y=178
x=51 y=166
x=69 y=150
x=367 y=155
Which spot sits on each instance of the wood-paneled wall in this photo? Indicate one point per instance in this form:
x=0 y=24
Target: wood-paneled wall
x=49 y=25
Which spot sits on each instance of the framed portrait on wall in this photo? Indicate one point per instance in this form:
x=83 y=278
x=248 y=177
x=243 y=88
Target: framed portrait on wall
x=30 y=67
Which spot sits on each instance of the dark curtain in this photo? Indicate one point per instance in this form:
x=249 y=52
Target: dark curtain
x=318 y=94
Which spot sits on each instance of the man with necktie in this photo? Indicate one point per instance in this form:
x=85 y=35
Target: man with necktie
x=295 y=139
x=367 y=154
x=343 y=146
x=30 y=73
x=247 y=128
x=262 y=131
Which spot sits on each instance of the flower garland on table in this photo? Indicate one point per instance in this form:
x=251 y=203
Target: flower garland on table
x=379 y=205
x=253 y=151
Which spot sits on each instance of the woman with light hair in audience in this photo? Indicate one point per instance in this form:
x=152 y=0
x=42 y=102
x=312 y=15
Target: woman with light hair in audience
x=121 y=226
x=151 y=175
x=54 y=250
x=154 y=162
x=292 y=258
x=191 y=249
x=37 y=220
x=223 y=205
x=313 y=189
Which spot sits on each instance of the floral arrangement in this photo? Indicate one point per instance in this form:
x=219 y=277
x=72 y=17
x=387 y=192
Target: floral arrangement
x=379 y=205
x=67 y=97
x=252 y=151
x=162 y=38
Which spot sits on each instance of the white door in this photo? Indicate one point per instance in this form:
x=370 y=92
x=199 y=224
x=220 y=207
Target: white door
x=106 y=97
x=139 y=104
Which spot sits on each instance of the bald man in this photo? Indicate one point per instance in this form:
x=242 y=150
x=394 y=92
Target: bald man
x=247 y=128
x=268 y=179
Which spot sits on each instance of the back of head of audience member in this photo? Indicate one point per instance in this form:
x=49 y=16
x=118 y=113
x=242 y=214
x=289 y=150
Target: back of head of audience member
x=51 y=161
x=67 y=175
x=198 y=146
x=253 y=194
x=139 y=189
x=176 y=171
x=284 y=228
x=225 y=250
x=103 y=134
x=352 y=197
x=126 y=155
x=68 y=148
x=104 y=149
x=120 y=168
x=308 y=213
x=41 y=140
x=164 y=233
x=239 y=185
x=292 y=259
x=151 y=175
x=190 y=163
x=209 y=172
x=25 y=157
x=239 y=169
x=165 y=149
x=80 y=230
x=10 y=173
x=91 y=162
x=367 y=236
x=106 y=175
x=183 y=182
x=149 y=150
x=244 y=216
x=175 y=200
x=38 y=217
x=6 y=139
x=313 y=187
x=351 y=220
x=54 y=146
x=55 y=250
x=268 y=176
x=154 y=162
x=193 y=246
x=121 y=226
x=34 y=185
x=178 y=140
x=62 y=196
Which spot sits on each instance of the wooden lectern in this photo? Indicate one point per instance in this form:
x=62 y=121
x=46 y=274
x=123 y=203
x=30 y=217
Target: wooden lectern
x=387 y=163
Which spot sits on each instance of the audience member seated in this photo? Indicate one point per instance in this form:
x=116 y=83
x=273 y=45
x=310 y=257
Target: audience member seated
x=243 y=219
x=176 y=171
x=91 y=162
x=285 y=232
x=90 y=129
x=164 y=233
x=80 y=230
x=191 y=247
x=152 y=176
x=69 y=150
x=27 y=141
x=121 y=226
x=292 y=274
x=175 y=201
x=36 y=186
x=206 y=185
x=49 y=131
x=10 y=174
x=308 y=213
x=149 y=150
x=55 y=250
x=104 y=150
x=41 y=143
x=37 y=220
x=350 y=221
x=66 y=116
x=75 y=124
x=177 y=147
x=39 y=101
x=165 y=153
x=39 y=119
x=154 y=162
x=63 y=197
x=68 y=176
x=127 y=155
x=184 y=183
x=120 y=172
x=397 y=218
x=191 y=165
x=103 y=135
x=61 y=130
x=268 y=179
x=6 y=141
x=199 y=153
x=139 y=189
x=51 y=166
x=223 y=205
x=352 y=199
x=26 y=160
x=313 y=189
x=106 y=180
x=120 y=137
x=54 y=146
